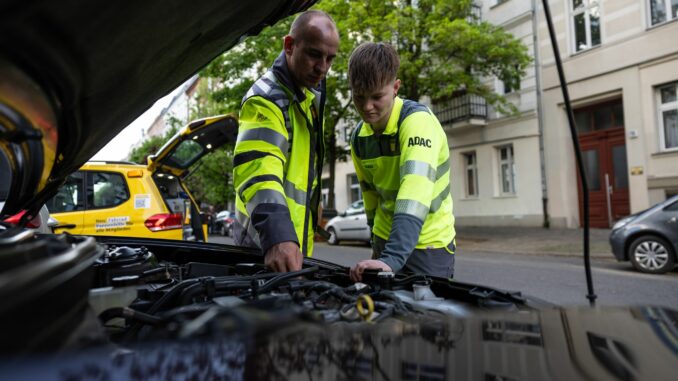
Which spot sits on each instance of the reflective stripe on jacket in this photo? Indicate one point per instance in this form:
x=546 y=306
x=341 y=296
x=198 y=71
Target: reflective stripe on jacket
x=278 y=155
x=406 y=170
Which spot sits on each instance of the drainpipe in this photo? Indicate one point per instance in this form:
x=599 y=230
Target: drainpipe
x=540 y=118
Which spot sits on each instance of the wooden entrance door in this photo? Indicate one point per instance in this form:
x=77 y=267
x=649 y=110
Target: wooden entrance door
x=604 y=153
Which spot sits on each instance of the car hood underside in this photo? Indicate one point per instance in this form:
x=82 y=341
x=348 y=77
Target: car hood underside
x=101 y=64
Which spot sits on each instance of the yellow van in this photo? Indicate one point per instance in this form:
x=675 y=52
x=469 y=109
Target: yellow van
x=150 y=201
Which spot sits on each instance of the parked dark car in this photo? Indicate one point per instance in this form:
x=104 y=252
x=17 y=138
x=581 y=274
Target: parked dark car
x=78 y=307
x=223 y=223
x=648 y=239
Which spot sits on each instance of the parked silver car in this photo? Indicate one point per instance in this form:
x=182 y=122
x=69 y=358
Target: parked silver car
x=223 y=223
x=648 y=239
x=350 y=225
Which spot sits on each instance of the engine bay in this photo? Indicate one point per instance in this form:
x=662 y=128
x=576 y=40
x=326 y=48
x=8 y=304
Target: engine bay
x=124 y=291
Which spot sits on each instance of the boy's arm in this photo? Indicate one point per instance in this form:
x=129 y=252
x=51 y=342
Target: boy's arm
x=258 y=171
x=419 y=149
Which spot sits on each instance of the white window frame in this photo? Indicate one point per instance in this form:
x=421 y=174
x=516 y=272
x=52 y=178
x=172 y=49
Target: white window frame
x=352 y=186
x=510 y=161
x=661 y=108
x=324 y=192
x=474 y=170
x=667 y=9
x=346 y=131
x=585 y=8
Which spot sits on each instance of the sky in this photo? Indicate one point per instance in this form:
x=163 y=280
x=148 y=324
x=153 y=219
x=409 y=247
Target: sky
x=119 y=147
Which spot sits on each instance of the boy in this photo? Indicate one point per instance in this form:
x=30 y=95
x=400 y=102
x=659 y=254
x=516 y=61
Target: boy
x=401 y=157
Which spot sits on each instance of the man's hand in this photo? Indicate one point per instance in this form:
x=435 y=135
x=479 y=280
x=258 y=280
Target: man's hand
x=284 y=257
x=357 y=270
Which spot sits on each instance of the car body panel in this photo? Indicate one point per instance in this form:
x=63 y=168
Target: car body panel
x=350 y=227
x=253 y=343
x=128 y=217
x=660 y=220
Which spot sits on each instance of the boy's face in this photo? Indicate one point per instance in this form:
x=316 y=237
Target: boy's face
x=374 y=106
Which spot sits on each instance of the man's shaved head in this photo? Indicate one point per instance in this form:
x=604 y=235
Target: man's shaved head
x=302 y=22
x=311 y=47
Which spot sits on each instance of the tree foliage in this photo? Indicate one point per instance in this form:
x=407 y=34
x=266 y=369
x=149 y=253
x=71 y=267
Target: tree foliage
x=151 y=145
x=443 y=46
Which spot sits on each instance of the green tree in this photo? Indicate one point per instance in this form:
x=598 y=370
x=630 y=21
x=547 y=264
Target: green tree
x=151 y=145
x=444 y=48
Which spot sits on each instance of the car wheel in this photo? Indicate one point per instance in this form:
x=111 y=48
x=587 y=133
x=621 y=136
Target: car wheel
x=333 y=240
x=223 y=231
x=651 y=254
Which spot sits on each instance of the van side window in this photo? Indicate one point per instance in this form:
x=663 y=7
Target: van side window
x=70 y=197
x=106 y=189
x=672 y=208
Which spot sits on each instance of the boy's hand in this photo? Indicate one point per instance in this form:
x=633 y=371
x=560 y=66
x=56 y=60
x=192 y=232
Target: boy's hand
x=357 y=270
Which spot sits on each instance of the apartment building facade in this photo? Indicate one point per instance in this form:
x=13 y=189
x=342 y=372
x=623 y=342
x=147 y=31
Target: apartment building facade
x=621 y=64
x=496 y=173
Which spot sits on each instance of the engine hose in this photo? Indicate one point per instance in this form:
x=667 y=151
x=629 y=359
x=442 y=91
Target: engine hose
x=128 y=313
x=268 y=286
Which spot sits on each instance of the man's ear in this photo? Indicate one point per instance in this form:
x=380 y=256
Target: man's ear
x=396 y=87
x=288 y=44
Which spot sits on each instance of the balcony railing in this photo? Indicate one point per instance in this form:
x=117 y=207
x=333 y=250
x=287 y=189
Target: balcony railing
x=461 y=108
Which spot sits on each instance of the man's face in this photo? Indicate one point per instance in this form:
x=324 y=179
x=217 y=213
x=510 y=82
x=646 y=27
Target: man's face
x=310 y=55
x=374 y=106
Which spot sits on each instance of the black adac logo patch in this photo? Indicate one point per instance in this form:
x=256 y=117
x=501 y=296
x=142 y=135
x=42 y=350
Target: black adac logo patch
x=418 y=141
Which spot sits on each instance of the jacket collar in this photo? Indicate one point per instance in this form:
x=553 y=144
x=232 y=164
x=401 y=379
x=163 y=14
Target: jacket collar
x=392 y=124
x=282 y=72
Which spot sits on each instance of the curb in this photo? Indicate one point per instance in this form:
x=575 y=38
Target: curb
x=598 y=256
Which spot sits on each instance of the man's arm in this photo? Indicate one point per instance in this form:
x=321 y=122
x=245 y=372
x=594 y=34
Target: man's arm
x=258 y=175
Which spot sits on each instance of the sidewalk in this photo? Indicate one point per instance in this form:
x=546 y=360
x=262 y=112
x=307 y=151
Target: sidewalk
x=535 y=241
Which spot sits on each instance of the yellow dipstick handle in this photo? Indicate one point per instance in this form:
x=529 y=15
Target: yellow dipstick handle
x=365 y=306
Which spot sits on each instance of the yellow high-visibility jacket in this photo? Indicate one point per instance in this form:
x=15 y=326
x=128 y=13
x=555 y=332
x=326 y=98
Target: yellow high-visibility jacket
x=404 y=175
x=278 y=157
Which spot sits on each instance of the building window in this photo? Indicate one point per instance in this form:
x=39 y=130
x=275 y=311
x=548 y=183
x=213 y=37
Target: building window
x=325 y=191
x=667 y=98
x=502 y=87
x=354 y=191
x=507 y=170
x=586 y=24
x=601 y=116
x=663 y=10
x=471 y=172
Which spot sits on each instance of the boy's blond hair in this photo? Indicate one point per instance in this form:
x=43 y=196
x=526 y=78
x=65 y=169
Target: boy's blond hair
x=371 y=66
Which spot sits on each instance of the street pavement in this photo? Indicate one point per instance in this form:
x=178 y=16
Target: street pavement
x=501 y=240
x=544 y=263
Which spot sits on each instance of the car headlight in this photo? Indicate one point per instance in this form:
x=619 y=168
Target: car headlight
x=621 y=223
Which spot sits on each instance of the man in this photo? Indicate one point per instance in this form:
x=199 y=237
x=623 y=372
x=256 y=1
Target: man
x=401 y=157
x=279 y=150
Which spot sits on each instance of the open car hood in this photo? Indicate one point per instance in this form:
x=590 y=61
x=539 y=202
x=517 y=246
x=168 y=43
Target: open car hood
x=91 y=68
x=192 y=142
